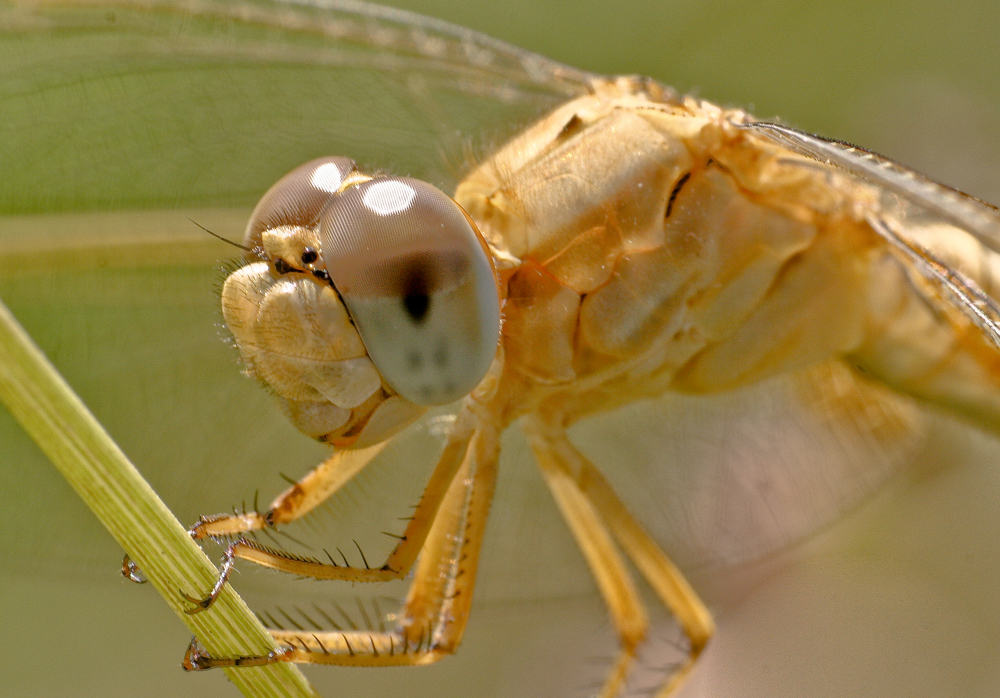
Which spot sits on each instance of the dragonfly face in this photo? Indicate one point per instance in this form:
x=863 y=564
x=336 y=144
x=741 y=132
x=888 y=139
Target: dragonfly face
x=169 y=437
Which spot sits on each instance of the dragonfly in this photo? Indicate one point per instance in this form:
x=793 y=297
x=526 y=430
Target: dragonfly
x=420 y=104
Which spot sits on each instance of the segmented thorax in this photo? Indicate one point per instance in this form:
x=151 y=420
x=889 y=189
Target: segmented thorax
x=646 y=244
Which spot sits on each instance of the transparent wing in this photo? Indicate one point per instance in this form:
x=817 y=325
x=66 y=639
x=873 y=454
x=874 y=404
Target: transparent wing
x=961 y=210
x=128 y=104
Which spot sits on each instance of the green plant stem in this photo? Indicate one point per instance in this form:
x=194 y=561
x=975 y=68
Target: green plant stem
x=58 y=421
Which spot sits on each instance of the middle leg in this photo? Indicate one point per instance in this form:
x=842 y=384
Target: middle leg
x=591 y=509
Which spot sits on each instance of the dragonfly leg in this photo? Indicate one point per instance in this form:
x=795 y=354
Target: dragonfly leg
x=400 y=560
x=592 y=510
x=298 y=500
x=434 y=614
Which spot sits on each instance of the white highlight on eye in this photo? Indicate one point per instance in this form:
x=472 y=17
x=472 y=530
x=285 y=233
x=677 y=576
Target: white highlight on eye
x=327 y=178
x=389 y=197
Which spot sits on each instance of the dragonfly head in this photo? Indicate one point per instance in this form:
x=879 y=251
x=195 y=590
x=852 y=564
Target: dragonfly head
x=366 y=300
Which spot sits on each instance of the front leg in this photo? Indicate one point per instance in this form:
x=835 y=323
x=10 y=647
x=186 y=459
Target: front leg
x=302 y=499
x=313 y=489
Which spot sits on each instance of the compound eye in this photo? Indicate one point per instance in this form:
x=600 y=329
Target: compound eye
x=419 y=282
x=298 y=198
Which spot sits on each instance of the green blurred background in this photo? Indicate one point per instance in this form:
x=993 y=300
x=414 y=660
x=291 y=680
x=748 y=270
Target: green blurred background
x=97 y=260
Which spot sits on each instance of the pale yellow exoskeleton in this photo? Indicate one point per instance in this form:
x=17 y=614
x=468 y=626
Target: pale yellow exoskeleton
x=632 y=242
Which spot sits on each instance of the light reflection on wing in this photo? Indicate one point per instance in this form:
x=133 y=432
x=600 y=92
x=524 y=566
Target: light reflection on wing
x=961 y=210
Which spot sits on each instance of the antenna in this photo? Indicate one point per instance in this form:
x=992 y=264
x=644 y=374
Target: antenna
x=216 y=235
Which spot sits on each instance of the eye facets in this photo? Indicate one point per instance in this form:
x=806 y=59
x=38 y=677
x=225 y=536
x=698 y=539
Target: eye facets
x=298 y=198
x=419 y=283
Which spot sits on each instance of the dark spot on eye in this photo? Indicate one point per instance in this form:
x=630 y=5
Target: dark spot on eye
x=416 y=305
x=416 y=291
x=309 y=255
x=283 y=267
